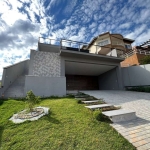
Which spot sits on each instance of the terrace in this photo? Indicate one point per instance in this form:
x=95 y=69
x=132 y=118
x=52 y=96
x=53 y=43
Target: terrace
x=76 y=46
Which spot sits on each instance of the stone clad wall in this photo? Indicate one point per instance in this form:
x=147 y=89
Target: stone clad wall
x=46 y=64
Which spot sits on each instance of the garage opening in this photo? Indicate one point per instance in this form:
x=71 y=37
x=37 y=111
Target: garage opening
x=82 y=82
x=90 y=76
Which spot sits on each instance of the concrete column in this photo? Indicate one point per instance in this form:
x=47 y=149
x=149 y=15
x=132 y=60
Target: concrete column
x=119 y=78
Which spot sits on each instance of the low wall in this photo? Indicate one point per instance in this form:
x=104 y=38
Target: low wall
x=11 y=73
x=46 y=86
x=136 y=75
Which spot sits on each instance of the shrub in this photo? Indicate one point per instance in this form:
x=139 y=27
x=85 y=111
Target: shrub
x=70 y=96
x=79 y=101
x=31 y=100
x=147 y=89
x=97 y=114
x=80 y=93
x=145 y=60
x=140 y=89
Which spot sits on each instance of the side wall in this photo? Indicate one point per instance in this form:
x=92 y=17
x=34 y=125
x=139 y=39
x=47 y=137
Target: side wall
x=136 y=75
x=11 y=73
x=109 y=80
x=45 y=86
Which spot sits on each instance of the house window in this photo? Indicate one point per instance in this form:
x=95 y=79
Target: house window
x=128 y=46
x=102 y=43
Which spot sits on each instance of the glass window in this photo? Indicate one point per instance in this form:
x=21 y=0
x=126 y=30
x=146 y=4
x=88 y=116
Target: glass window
x=128 y=46
x=102 y=43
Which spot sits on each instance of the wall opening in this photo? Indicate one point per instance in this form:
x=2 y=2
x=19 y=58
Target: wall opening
x=82 y=82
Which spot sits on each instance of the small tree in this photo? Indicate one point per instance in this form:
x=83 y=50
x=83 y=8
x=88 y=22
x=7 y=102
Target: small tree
x=145 y=60
x=32 y=100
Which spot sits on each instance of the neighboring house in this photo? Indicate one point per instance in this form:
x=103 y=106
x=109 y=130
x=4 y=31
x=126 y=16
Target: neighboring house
x=110 y=44
x=134 y=57
x=62 y=66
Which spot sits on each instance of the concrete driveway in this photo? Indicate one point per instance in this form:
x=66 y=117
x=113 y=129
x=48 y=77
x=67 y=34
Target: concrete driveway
x=136 y=131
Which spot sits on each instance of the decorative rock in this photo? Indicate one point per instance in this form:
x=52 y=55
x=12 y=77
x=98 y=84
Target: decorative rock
x=21 y=117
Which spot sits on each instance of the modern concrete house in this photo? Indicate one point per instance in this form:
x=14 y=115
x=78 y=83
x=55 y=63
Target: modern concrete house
x=58 y=67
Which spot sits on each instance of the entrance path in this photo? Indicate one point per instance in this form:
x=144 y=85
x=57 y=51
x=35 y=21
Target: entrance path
x=136 y=131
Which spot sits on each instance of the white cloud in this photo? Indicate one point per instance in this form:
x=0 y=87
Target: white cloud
x=145 y=36
x=125 y=25
x=145 y=13
x=69 y=8
x=11 y=16
x=4 y=7
x=93 y=25
x=136 y=32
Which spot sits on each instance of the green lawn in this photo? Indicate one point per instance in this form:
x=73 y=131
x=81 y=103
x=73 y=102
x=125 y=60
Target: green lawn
x=69 y=127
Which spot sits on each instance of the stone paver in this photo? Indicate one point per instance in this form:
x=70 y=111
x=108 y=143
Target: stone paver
x=136 y=131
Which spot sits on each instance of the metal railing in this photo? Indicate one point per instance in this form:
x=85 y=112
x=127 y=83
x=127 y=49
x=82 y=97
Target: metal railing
x=136 y=51
x=73 y=44
x=49 y=41
x=79 y=46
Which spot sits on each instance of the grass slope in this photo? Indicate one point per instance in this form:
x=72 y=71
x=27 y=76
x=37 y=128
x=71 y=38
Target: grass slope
x=70 y=126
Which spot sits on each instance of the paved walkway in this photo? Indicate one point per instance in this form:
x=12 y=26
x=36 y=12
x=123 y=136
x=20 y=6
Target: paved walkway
x=136 y=131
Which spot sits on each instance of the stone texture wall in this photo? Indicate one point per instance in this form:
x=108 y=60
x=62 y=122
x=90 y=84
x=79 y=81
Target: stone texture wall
x=46 y=64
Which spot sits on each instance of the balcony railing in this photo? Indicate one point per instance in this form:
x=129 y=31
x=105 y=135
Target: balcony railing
x=136 y=51
x=49 y=41
x=77 y=46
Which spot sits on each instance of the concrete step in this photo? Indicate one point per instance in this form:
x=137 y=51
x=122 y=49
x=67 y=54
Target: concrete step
x=90 y=102
x=120 y=115
x=92 y=107
x=81 y=96
x=89 y=98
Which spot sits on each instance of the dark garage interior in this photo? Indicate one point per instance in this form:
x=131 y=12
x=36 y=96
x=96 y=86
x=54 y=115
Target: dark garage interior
x=82 y=82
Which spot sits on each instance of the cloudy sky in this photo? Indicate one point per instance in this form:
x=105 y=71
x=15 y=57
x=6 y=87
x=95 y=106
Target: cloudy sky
x=23 y=21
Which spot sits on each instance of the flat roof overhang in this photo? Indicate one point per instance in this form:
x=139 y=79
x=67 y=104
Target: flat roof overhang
x=82 y=55
x=79 y=68
x=85 y=68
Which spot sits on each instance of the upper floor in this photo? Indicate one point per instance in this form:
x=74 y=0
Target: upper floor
x=109 y=44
